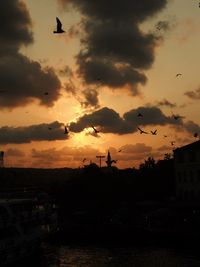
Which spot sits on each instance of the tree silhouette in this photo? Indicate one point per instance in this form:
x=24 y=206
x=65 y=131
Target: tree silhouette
x=150 y=163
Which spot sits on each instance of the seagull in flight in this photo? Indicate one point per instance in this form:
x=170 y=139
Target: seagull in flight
x=141 y=131
x=95 y=130
x=59 y=26
x=178 y=74
x=66 y=131
x=176 y=117
x=154 y=132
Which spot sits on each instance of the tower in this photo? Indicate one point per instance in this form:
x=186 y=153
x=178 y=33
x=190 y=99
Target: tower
x=109 y=160
x=1 y=159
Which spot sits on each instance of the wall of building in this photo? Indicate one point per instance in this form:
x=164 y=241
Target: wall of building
x=187 y=173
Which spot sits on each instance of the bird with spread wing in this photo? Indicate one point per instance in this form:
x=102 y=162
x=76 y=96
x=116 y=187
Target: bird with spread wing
x=141 y=131
x=59 y=26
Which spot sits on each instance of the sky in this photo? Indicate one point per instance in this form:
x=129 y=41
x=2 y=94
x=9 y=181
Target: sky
x=114 y=61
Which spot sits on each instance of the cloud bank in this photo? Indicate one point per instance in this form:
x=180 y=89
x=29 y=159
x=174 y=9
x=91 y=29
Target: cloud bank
x=22 y=80
x=113 y=46
x=39 y=132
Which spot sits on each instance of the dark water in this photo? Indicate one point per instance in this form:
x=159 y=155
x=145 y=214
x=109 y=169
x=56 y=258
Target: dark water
x=94 y=256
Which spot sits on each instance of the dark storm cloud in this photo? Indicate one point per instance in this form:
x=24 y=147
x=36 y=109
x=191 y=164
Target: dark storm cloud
x=91 y=98
x=194 y=95
x=40 y=132
x=110 y=121
x=24 y=80
x=111 y=75
x=166 y=103
x=21 y=79
x=118 y=10
x=15 y=25
x=151 y=116
x=114 y=47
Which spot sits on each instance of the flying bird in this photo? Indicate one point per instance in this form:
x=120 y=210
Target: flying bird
x=164 y=136
x=154 y=132
x=95 y=130
x=178 y=74
x=66 y=131
x=139 y=114
x=195 y=135
x=120 y=150
x=141 y=131
x=59 y=26
x=46 y=93
x=177 y=117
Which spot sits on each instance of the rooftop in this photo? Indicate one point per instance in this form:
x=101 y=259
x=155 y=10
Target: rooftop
x=191 y=146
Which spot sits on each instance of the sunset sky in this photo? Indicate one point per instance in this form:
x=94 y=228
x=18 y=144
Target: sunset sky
x=116 y=59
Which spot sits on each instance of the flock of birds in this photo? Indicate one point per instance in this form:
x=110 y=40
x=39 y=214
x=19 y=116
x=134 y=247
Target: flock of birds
x=59 y=30
x=175 y=117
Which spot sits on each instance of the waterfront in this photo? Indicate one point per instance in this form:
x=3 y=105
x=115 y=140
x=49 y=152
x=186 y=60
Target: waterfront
x=115 y=256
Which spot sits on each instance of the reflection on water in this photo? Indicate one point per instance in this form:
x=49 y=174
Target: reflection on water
x=67 y=256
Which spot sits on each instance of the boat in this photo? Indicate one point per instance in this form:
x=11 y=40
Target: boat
x=25 y=221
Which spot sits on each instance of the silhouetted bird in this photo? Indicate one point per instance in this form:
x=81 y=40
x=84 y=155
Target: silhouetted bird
x=195 y=135
x=178 y=74
x=59 y=26
x=120 y=150
x=66 y=131
x=141 y=131
x=95 y=130
x=154 y=132
x=84 y=160
x=139 y=114
x=172 y=143
x=49 y=128
x=46 y=93
x=164 y=136
x=177 y=117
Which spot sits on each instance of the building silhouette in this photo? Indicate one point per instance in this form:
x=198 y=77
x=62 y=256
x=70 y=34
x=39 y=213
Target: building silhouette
x=1 y=159
x=187 y=171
